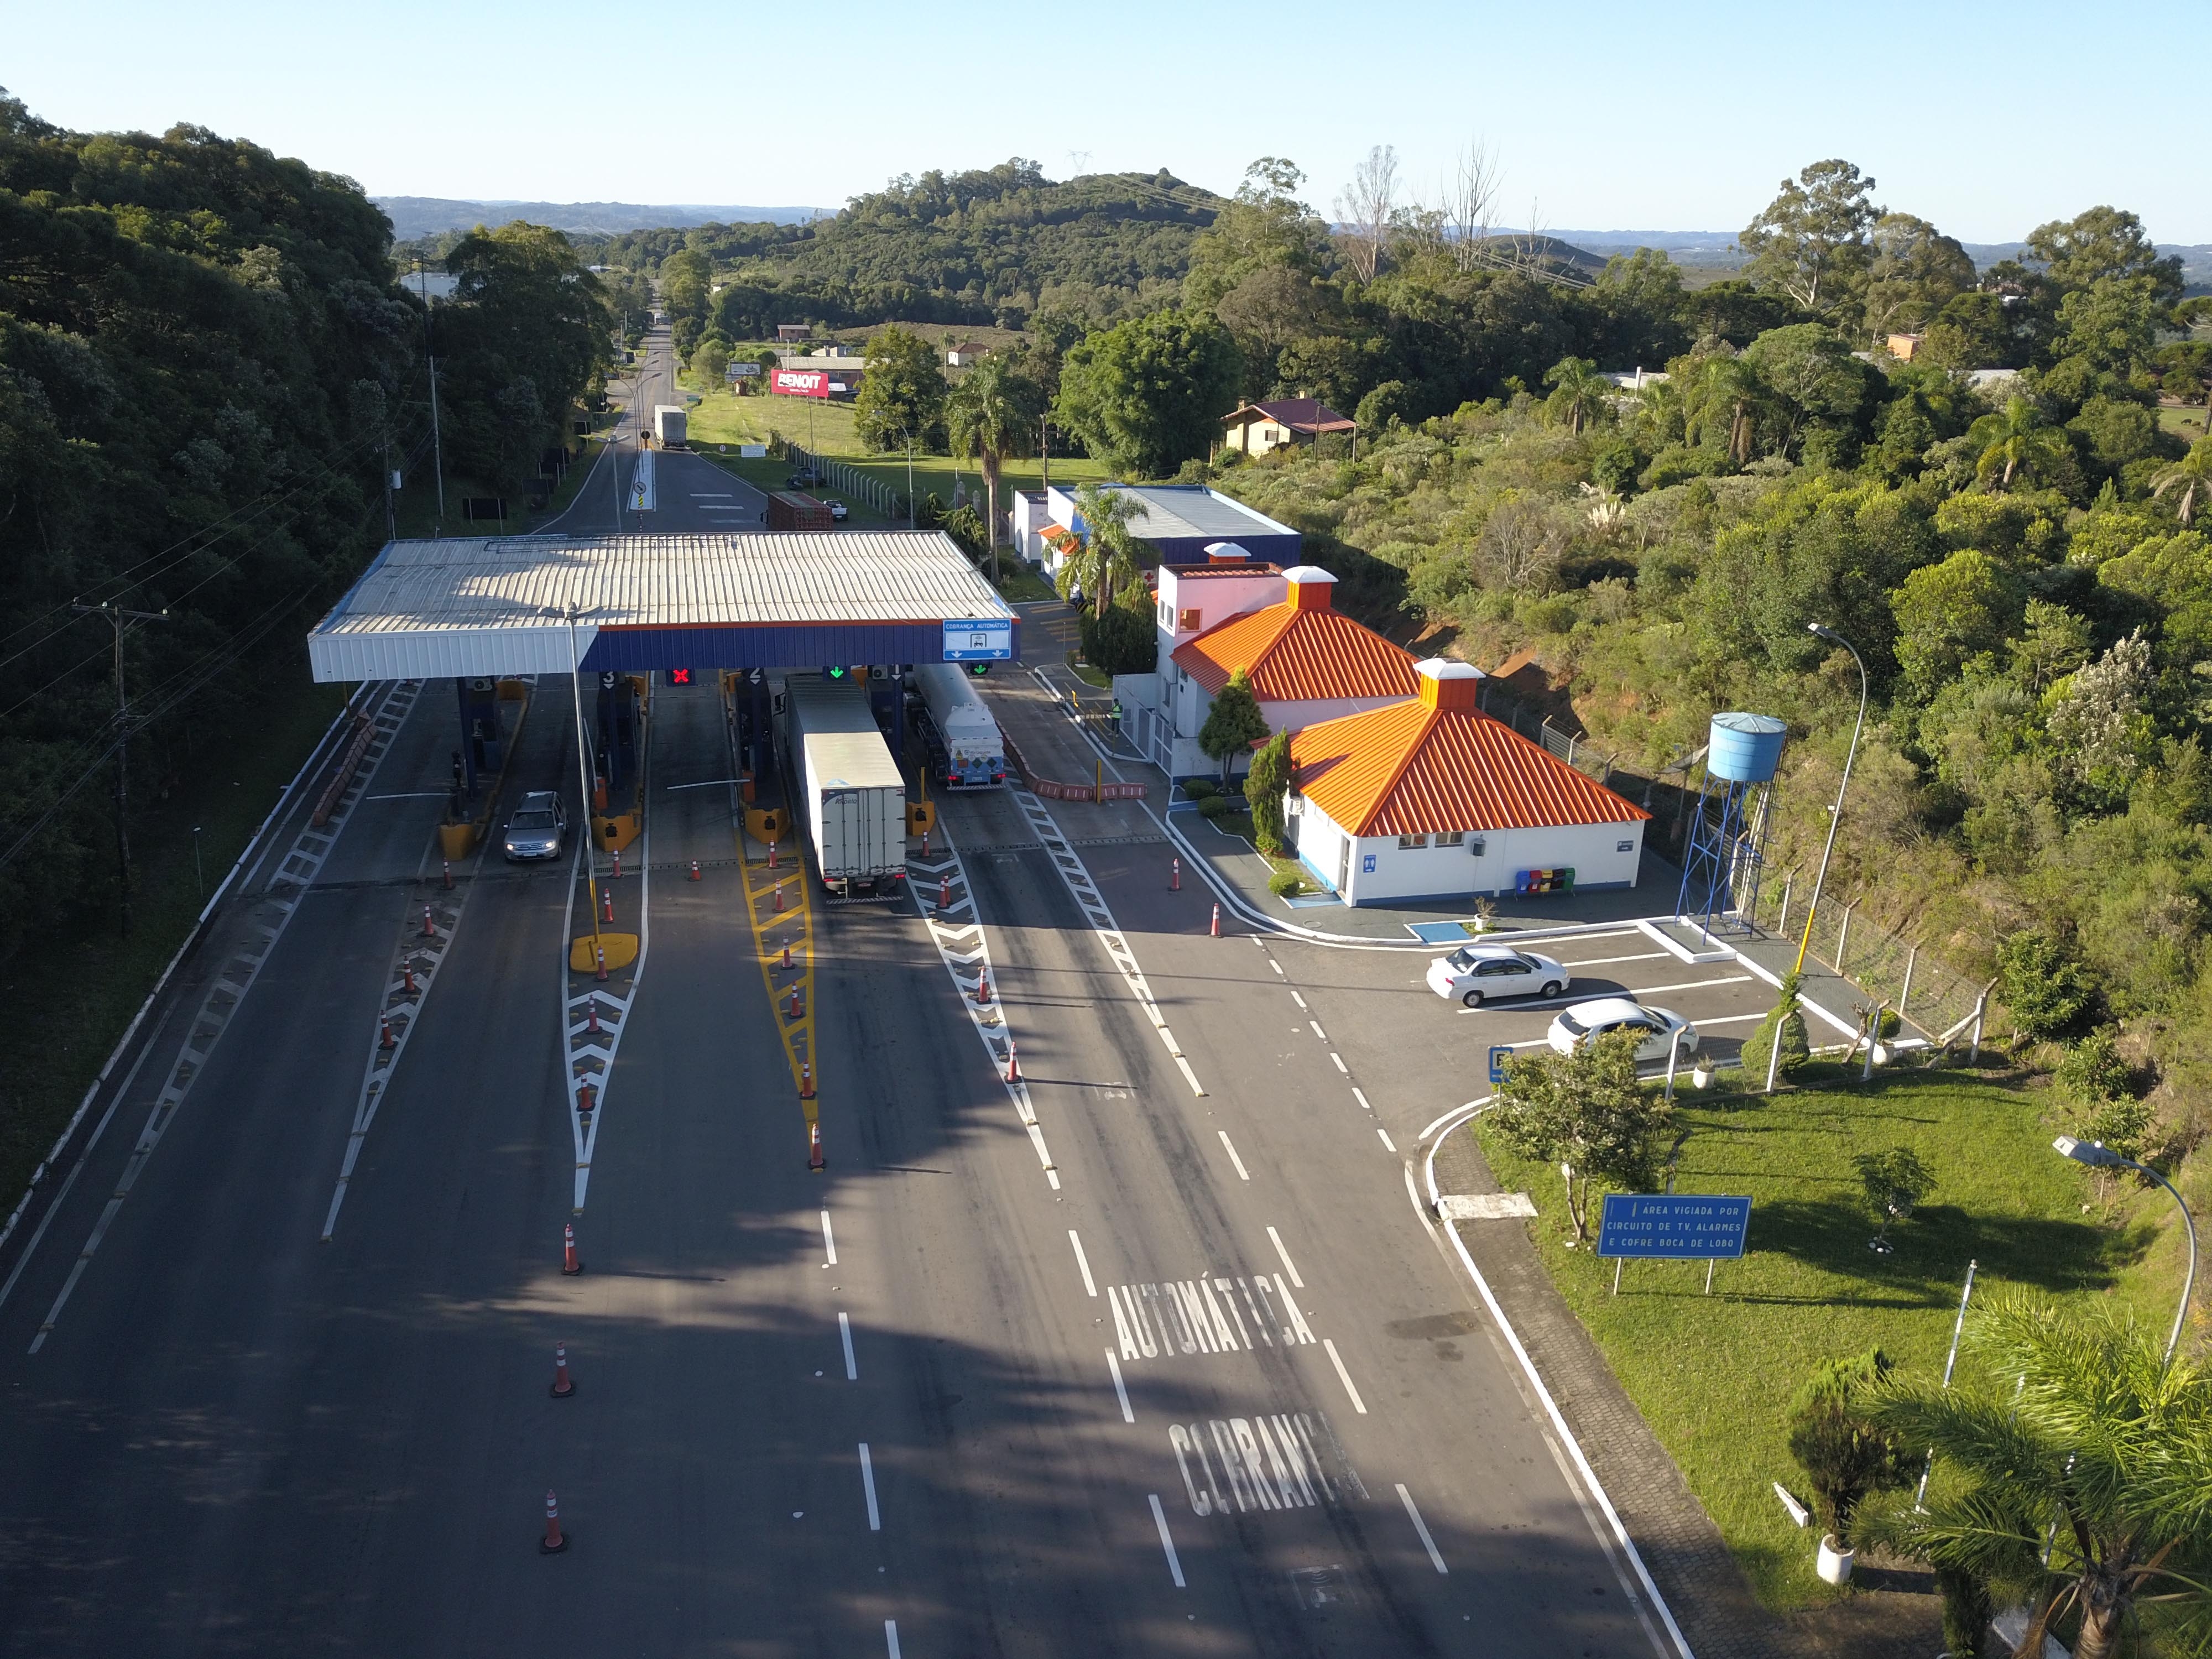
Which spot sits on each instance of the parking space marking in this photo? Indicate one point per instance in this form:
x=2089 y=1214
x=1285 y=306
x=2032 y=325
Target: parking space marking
x=1607 y=961
x=1731 y=1019
x=1632 y=993
x=1692 y=985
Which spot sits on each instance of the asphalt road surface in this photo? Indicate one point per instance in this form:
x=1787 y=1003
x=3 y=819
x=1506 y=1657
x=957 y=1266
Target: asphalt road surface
x=1208 y=1385
x=688 y=494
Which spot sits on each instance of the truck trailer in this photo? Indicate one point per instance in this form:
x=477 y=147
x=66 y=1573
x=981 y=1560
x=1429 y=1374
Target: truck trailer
x=850 y=790
x=966 y=749
x=668 y=424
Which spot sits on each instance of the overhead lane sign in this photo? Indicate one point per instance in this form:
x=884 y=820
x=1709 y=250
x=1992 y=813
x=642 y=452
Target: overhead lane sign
x=981 y=639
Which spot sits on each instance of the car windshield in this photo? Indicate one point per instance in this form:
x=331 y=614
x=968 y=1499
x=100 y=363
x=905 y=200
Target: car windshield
x=532 y=821
x=1575 y=1027
x=1461 y=958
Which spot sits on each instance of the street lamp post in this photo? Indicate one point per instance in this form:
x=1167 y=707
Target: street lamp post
x=2097 y=1156
x=1835 y=813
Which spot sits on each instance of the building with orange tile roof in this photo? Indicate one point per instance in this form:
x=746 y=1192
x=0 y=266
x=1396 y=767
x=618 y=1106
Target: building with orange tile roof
x=1430 y=798
x=1307 y=661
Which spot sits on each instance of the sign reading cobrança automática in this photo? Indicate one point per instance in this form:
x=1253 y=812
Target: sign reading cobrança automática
x=1678 y=1226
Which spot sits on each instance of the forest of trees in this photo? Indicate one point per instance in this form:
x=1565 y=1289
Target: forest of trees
x=205 y=366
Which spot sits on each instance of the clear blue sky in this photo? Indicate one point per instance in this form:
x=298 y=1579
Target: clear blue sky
x=1986 y=118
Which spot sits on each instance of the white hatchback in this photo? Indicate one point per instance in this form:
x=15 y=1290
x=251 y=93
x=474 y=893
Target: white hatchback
x=1476 y=974
x=1654 y=1029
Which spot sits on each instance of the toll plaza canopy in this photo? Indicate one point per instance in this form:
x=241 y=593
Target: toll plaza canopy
x=489 y=605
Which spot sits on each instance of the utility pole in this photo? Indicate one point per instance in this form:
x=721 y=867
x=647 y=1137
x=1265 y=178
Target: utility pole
x=437 y=447
x=119 y=619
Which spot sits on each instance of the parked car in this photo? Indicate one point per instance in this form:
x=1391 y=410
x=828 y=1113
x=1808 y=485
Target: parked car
x=538 y=828
x=839 y=510
x=1475 y=974
x=803 y=479
x=1586 y=1022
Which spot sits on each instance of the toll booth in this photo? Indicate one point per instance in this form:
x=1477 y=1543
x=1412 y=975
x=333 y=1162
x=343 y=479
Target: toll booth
x=618 y=734
x=482 y=752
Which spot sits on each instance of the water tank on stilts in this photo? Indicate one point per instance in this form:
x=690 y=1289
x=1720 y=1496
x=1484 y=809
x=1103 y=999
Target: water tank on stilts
x=1725 y=850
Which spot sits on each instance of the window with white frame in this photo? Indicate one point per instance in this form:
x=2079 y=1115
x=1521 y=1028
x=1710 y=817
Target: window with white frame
x=1412 y=843
x=1451 y=837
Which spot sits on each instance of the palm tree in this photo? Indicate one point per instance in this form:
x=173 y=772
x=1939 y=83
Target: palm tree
x=1109 y=555
x=2191 y=475
x=988 y=415
x=2077 y=1475
x=1579 y=390
x=2018 y=443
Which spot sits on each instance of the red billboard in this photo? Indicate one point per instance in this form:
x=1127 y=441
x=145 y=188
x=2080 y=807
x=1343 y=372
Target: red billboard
x=800 y=383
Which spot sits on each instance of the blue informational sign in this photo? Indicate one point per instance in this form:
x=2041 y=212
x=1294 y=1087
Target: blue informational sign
x=1367 y=864
x=1673 y=1226
x=1498 y=1056
x=981 y=639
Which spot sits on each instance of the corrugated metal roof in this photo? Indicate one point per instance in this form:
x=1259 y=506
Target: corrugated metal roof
x=492 y=605
x=1298 y=656
x=1410 y=770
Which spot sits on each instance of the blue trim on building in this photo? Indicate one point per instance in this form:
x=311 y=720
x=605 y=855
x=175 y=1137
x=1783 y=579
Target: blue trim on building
x=809 y=645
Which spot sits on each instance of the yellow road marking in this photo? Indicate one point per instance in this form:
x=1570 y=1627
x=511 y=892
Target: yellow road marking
x=772 y=932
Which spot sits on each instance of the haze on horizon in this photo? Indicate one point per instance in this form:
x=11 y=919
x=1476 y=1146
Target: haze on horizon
x=1986 y=120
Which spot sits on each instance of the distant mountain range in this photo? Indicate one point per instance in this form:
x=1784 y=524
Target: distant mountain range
x=1716 y=249
x=426 y=215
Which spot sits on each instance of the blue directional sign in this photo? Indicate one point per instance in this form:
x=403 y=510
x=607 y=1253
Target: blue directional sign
x=1673 y=1226
x=1498 y=1055
x=978 y=639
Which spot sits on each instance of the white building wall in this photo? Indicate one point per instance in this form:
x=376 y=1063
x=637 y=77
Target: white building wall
x=1291 y=716
x=1215 y=598
x=1592 y=851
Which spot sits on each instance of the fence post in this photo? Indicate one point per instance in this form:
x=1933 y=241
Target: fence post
x=1570 y=749
x=1981 y=1007
x=1905 y=996
x=1843 y=933
x=1782 y=926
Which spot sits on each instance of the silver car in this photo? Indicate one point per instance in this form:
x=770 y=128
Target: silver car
x=1655 y=1030
x=1475 y=974
x=538 y=828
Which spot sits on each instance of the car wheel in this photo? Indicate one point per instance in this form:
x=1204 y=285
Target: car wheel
x=1551 y=990
x=1472 y=999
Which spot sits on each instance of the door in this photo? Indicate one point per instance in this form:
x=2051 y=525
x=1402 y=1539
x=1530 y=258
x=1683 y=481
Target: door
x=1343 y=865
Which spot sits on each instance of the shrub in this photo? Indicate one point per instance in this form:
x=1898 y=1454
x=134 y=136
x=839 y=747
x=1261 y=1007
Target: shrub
x=1200 y=788
x=1286 y=883
x=2093 y=1072
x=2043 y=982
x=1845 y=1458
x=1216 y=807
x=1123 y=641
x=1795 y=1048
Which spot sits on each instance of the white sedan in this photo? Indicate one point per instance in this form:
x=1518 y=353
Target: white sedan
x=1654 y=1028
x=1476 y=974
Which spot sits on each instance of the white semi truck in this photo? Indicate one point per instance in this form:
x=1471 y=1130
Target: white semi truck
x=966 y=749
x=850 y=790
x=668 y=424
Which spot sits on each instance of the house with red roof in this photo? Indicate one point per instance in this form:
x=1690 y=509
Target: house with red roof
x=1429 y=798
x=1307 y=660
x=1260 y=428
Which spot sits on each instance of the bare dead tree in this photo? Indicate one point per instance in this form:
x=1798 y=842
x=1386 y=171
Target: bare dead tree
x=1365 y=208
x=1470 y=200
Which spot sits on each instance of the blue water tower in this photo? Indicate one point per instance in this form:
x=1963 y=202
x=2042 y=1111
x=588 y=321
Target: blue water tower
x=1726 y=848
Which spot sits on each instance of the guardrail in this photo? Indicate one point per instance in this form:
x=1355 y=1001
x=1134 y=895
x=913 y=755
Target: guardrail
x=364 y=731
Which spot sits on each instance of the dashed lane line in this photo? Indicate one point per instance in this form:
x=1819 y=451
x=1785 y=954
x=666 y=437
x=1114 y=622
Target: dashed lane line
x=1167 y=1539
x=1082 y=1262
x=1328 y=1346
x=1121 y=1389
x=1229 y=1147
x=1422 y=1527
x=1289 y=1267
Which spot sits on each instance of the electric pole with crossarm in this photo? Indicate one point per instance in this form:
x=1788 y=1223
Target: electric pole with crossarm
x=119 y=620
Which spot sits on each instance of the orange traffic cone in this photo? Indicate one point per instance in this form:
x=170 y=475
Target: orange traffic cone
x=407 y=972
x=609 y=896
x=1175 y=875
x=1014 y=1066
x=983 y=989
x=571 y=1263
x=617 y=875
x=814 y=1159
x=555 y=1540
x=449 y=875
x=594 y=1006
x=772 y=846
x=794 y=1003
x=429 y=931
x=384 y=1032
x=1217 y=921
x=563 y=1387
x=806 y=1079
x=587 y=1102
x=600 y=951
x=944 y=893
x=778 y=898
x=695 y=869
x=786 y=958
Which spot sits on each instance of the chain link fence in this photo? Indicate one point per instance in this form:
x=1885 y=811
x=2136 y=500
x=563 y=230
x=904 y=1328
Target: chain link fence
x=850 y=480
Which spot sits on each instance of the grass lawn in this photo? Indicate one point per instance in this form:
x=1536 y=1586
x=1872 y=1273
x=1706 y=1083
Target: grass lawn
x=724 y=417
x=1712 y=1375
x=81 y=992
x=2186 y=424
